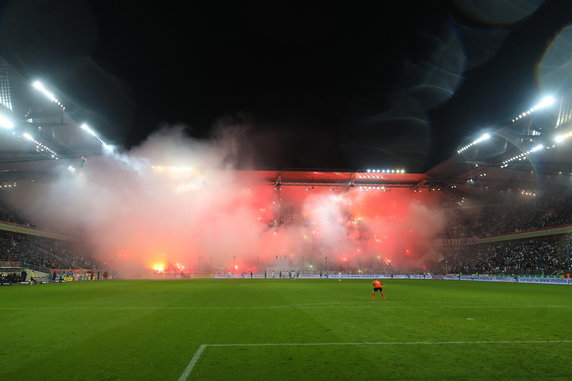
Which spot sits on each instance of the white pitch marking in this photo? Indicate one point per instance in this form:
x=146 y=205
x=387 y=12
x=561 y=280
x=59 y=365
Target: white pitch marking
x=399 y=343
x=201 y=349
x=192 y=363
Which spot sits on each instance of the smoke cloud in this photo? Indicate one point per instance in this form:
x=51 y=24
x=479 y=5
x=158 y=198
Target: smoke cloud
x=180 y=203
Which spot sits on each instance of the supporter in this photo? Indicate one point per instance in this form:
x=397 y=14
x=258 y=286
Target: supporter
x=45 y=253
x=539 y=256
x=7 y=214
x=515 y=214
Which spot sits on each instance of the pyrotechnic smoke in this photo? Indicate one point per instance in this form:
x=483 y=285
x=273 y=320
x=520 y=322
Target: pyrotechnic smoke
x=180 y=203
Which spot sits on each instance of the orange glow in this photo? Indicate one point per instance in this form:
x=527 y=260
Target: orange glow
x=222 y=227
x=158 y=267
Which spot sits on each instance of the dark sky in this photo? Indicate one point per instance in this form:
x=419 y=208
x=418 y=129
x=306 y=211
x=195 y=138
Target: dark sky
x=395 y=84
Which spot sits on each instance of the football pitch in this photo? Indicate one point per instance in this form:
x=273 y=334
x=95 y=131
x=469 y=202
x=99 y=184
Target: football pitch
x=243 y=329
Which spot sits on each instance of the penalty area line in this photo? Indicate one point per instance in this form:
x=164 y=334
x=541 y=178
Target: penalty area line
x=202 y=347
x=399 y=343
x=192 y=363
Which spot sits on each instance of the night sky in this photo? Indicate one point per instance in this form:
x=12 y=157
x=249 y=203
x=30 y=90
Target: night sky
x=349 y=86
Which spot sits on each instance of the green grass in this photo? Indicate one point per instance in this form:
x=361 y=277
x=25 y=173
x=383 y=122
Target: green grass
x=150 y=330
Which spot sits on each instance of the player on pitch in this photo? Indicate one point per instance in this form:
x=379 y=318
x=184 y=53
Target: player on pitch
x=377 y=286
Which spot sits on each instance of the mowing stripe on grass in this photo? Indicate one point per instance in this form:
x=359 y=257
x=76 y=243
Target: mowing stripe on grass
x=318 y=306
x=201 y=349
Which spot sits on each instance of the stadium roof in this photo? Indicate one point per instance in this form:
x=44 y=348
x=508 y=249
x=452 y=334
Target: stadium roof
x=39 y=131
x=344 y=179
x=45 y=132
x=525 y=153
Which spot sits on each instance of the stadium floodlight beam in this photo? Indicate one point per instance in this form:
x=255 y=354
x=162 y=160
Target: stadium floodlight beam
x=40 y=87
x=5 y=122
x=545 y=102
x=561 y=137
x=522 y=156
x=28 y=136
x=485 y=136
x=86 y=128
x=537 y=148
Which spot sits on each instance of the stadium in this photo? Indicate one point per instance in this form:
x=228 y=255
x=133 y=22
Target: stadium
x=170 y=261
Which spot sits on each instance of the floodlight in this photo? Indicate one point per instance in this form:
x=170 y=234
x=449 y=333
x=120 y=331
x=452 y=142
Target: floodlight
x=5 y=122
x=86 y=128
x=107 y=147
x=545 y=102
x=537 y=147
x=28 y=136
x=39 y=86
x=561 y=137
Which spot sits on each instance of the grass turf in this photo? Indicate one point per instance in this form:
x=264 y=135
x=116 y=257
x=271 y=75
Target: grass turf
x=150 y=330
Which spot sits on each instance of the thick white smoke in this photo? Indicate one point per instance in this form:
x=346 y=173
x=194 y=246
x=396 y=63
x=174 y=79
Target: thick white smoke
x=178 y=201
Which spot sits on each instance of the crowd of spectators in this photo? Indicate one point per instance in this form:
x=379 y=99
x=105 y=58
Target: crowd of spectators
x=537 y=256
x=7 y=214
x=515 y=213
x=45 y=253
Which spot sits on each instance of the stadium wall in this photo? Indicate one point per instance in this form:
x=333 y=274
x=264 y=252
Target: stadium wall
x=480 y=278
